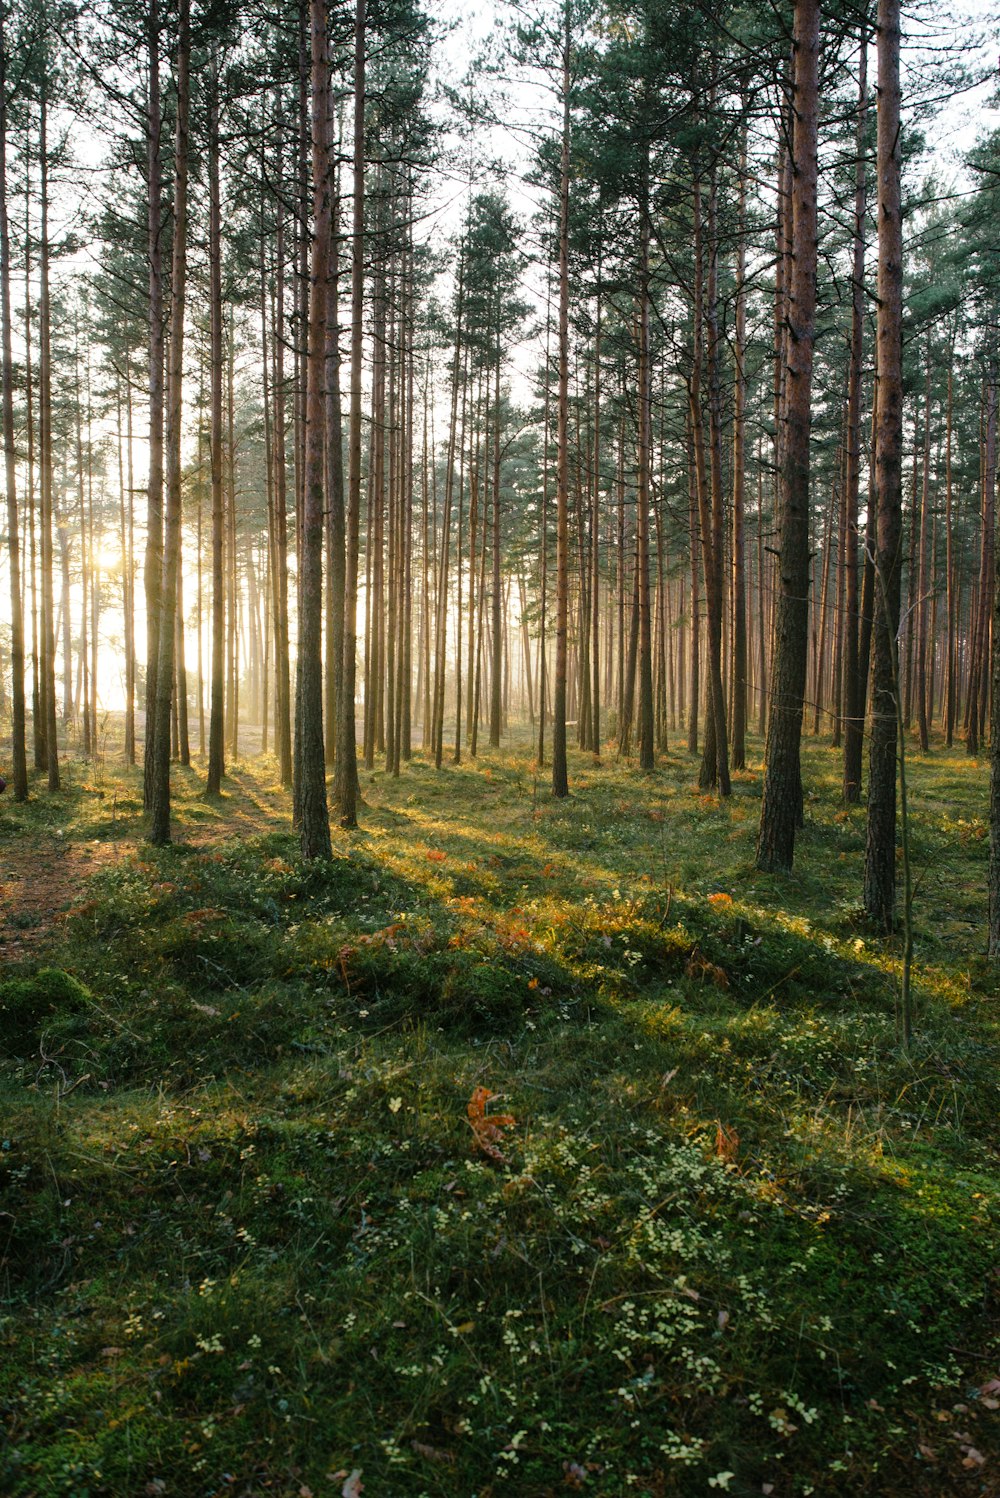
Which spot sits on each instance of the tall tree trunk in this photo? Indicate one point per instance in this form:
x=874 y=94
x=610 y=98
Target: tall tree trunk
x=441 y=623
x=315 y=820
x=647 y=759
x=981 y=633
x=200 y=562
x=880 y=845
x=160 y=790
x=821 y=614
x=543 y=531
x=496 y=668
x=154 y=500
x=694 y=664
x=282 y=668
x=232 y=570
x=739 y=752
x=19 y=761
x=923 y=541
x=456 y=757
x=781 y=806
x=595 y=534
x=950 y=684
x=347 y=761
x=216 y=749
x=560 y=776
x=715 y=763
x=854 y=698
x=128 y=574
x=839 y=609
x=38 y=734
x=335 y=535
x=48 y=652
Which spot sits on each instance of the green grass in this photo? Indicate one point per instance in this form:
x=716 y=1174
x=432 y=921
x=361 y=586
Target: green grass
x=737 y=1240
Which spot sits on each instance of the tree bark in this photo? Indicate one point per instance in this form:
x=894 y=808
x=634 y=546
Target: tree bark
x=739 y=753
x=647 y=759
x=335 y=528
x=315 y=820
x=216 y=726
x=160 y=789
x=880 y=844
x=782 y=797
x=346 y=785
x=854 y=703
x=154 y=502
x=560 y=777
x=19 y=761
x=48 y=651
x=282 y=668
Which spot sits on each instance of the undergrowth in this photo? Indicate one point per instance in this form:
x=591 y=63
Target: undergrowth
x=733 y=1240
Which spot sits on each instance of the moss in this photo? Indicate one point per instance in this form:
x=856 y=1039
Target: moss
x=28 y=1005
x=731 y=1227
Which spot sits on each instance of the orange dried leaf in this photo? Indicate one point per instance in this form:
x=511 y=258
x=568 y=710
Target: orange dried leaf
x=487 y=1129
x=698 y=966
x=727 y=1143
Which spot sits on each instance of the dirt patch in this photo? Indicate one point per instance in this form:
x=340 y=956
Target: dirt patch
x=44 y=873
x=40 y=879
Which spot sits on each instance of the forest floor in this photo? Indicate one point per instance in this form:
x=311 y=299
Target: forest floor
x=528 y=1147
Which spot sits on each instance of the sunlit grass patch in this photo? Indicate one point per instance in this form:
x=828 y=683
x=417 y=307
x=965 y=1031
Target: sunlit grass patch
x=732 y=1226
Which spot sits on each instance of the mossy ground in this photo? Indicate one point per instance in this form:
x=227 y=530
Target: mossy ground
x=737 y=1241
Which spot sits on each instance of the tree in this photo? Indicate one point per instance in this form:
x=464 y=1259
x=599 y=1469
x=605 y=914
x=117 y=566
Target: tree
x=880 y=841
x=347 y=761
x=853 y=699
x=315 y=822
x=159 y=808
x=154 y=505
x=19 y=762
x=216 y=753
x=781 y=807
x=560 y=777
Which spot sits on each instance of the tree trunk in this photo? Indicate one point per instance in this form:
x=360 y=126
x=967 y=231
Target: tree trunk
x=739 y=752
x=282 y=669
x=128 y=574
x=315 y=820
x=920 y=602
x=48 y=651
x=715 y=763
x=335 y=533
x=216 y=750
x=980 y=642
x=347 y=761
x=496 y=669
x=647 y=759
x=949 y=698
x=154 y=501
x=694 y=664
x=781 y=806
x=19 y=761
x=880 y=846
x=560 y=777
x=232 y=578
x=160 y=789
x=854 y=703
